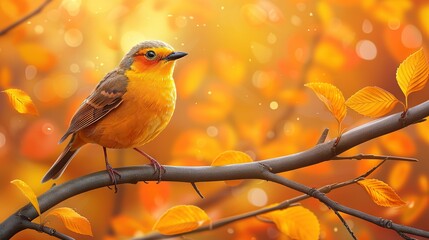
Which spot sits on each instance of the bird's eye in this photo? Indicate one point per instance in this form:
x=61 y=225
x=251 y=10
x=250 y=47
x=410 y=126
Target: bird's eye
x=150 y=55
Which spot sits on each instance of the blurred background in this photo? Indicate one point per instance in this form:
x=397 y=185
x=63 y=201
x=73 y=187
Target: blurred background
x=240 y=88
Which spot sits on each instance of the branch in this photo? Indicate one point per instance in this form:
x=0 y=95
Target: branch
x=283 y=205
x=372 y=156
x=47 y=230
x=317 y=154
x=341 y=208
x=25 y=18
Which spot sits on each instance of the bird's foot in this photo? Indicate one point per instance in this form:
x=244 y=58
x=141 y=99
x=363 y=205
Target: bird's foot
x=157 y=167
x=112 y=174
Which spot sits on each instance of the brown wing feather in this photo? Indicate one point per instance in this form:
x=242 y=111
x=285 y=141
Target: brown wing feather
x=105 y=97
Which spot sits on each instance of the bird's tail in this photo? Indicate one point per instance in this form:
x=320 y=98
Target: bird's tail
x=63 y=161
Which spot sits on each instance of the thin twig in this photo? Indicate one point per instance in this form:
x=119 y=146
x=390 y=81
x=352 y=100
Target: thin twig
x=197 y=190
x=404 y=236
x=372 y=156
x=25 y=18
x=47 y=230
x=345 y=224
x=323 y=137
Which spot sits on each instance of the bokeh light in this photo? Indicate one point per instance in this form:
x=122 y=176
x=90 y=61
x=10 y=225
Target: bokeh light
x=366 y=50
x=257 y=197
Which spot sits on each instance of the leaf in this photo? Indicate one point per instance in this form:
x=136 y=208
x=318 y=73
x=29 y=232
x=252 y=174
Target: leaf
x=181 y=219
x=295 y=222
x=412 y=73
x=381 y=193
x=231 y=157
x=72 y=220
x=372 y=101
x=21 y=101
x=28 y=193
x=332 y=97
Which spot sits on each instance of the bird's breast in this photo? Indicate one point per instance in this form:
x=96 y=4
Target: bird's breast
x=145 y=111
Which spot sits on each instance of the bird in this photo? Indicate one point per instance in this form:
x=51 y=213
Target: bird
x=128 y=108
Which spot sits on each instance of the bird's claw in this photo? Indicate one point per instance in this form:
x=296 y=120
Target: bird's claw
x=112 y=174
x=157 y=167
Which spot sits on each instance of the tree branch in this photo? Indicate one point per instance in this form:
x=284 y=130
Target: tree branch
x=25 y=18
x=377 y=157
x=341 y=208
x=47 y=230
x=283 y=205
x=317 y=154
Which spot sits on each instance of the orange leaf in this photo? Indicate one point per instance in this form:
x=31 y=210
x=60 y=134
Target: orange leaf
x=28 y=193
x=332 y=97
x=372 y=101
x=72 y=220
x=296 y=222
x=181 y=219
x=21 y=101
x=412 y=73
x=381 y=193
x=231 y=157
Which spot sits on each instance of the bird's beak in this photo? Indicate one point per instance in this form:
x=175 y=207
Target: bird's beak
x=174 y=56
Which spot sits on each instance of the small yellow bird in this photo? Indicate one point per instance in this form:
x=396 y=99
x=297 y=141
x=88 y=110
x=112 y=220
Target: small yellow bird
x=128 y=108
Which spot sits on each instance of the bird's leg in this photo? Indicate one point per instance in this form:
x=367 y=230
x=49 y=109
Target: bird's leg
x=156 y=165
x=112 y=172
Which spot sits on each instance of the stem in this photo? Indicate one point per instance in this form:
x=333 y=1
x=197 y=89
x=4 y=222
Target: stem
x=25 y=18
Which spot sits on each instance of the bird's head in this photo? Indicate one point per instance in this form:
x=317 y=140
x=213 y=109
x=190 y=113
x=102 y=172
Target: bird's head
x=151 y=56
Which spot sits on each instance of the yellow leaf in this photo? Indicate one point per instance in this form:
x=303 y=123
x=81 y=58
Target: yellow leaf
x=231 y=157
x=28 y=193
x=72 y=220
x=372 y=101
x=381 y=193
x=295 y=222
x=332 y=97
x=21 y=101
x=412 y=73
x=181 y=219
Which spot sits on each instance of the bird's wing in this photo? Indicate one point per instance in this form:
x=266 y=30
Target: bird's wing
x=105 y=97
